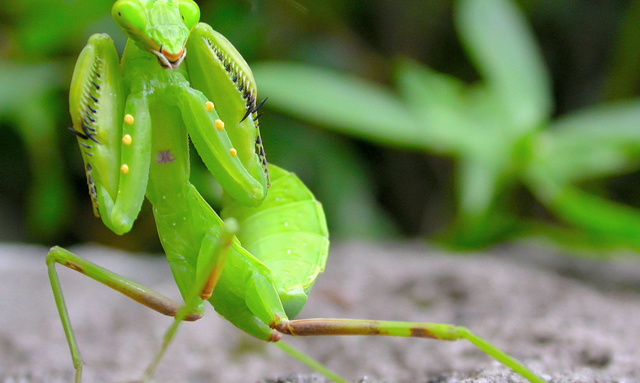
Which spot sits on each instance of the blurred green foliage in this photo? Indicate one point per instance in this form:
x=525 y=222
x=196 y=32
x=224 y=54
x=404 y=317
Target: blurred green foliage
x=498 y=130
x=428 y=155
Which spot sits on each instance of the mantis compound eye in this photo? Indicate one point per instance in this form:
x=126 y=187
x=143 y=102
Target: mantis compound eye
x=190 y=13
x=130 y=16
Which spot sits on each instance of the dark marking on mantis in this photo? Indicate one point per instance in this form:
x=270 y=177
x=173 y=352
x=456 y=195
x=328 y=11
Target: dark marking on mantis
x=274 y=337
x=165 y=157
x=422 y=333
x=92 y=188
x=75 y=266
x=320 y=327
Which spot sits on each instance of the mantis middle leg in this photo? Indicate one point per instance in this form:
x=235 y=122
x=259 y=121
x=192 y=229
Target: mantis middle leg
x=213 y=254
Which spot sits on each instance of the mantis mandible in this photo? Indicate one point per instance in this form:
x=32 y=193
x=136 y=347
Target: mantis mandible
x=133 y=119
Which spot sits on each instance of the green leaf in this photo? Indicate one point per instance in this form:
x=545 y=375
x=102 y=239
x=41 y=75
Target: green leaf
x=499 y=40
x=478 y=184
x=344 y=103
x=597 y=142
x=484 y=217
x=618 y=122
x=460 y=120
x=437 y=100
x=598 y=215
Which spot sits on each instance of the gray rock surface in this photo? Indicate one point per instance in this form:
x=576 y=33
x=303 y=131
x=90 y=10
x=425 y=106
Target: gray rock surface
x=567 y=319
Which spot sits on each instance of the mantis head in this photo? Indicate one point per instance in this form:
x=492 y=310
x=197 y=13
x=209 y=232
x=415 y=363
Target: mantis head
x=160 y=27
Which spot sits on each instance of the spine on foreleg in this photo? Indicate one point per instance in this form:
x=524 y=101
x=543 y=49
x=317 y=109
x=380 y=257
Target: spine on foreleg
x=288 y=233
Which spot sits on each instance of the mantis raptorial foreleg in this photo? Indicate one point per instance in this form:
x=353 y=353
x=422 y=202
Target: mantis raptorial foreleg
x=210 y=136
x=218 y=70
x=95 y=98
x=115 y=145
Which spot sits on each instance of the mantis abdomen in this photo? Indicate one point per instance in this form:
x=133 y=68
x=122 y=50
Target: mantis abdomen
x=288 y=233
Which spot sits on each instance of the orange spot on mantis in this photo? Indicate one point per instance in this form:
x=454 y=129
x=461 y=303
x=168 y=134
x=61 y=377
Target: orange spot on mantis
x=209 y=106
x=128 y=119
x=124 y=169
x=233 y=152
x=127 y=140
x=219 y=125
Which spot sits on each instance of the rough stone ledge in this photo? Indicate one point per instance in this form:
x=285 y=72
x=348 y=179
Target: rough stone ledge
x=560 y=316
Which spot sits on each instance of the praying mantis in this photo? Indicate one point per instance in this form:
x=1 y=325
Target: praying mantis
x=133 y=119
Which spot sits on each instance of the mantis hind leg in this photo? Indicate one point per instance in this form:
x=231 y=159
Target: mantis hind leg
x=320 y=327
x=137 y=292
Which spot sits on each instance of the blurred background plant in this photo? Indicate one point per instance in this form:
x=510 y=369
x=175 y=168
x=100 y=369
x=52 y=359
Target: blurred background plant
x=471 y=122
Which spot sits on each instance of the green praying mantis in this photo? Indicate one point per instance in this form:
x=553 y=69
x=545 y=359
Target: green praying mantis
x=133 y=119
